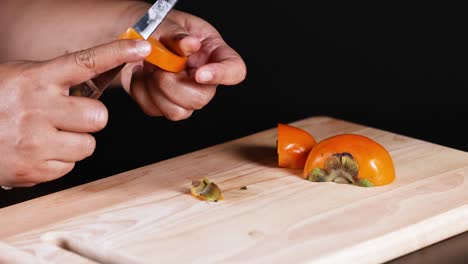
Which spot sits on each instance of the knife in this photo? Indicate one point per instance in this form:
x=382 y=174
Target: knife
x=141 y=30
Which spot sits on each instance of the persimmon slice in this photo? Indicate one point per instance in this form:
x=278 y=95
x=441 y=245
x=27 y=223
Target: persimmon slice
x=160 y=55
x=293 y=146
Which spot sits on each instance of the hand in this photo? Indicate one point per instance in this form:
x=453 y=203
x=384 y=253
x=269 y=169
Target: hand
x=211 y=62
x=43 y=131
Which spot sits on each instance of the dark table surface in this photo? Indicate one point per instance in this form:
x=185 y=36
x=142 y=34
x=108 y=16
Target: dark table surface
x=397 y=69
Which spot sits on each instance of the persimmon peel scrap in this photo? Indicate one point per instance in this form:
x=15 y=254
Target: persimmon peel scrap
x=206 y=190
x=345 y=158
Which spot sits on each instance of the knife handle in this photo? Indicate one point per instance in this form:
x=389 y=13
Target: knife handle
x=95 y=87
x=160 y=56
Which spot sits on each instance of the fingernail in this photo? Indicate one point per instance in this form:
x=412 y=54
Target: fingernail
x=205 y=76
x=101 y=117
x=142 y=48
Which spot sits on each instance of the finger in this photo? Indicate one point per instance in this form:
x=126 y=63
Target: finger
x=127 y=72
x=24 y=185
x=18 y=184
x=46 y=171
x=226 y=68
x=182 y=90
x=139 y=92
x=70 y=146
x=78 y=67
x=79 y=114
x=170 y=110
x=178 y=39
x=52 y=170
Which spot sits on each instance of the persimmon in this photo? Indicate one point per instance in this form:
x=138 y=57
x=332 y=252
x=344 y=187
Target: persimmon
x=293 y=146
x=160 y=55
x=349 y=158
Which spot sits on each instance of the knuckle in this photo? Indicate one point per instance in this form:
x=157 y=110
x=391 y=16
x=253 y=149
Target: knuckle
x=28 y=143
x=203 y=98
x=22 y=172
x=122 y=47
x=178 y=114
x=86 y=59
x=199 y=101
x=28 y=108
x=27 y=87
x=25 y=116
x=28 y=71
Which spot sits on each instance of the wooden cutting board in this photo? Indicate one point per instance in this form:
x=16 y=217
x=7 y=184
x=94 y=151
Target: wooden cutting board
x=148 y=216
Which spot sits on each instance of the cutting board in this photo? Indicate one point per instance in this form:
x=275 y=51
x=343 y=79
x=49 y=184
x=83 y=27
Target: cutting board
x=148 y=216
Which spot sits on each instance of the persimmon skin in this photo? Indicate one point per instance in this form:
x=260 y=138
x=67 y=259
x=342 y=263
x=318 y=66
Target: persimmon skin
x=375 y=163
x=159 y=55
x=293 y=146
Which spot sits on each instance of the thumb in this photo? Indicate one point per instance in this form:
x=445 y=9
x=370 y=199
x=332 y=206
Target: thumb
x=77 y=67
x=178 y=39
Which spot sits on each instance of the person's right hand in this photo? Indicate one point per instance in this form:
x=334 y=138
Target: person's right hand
x=43 y=130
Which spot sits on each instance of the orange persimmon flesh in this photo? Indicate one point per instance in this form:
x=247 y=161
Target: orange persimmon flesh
x=293 y=146
x=160 y=55
x=374 y=164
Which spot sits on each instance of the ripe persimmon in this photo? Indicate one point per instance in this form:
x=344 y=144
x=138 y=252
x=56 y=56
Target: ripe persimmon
x=160 y=55
x=293 y=146
x=350 y=158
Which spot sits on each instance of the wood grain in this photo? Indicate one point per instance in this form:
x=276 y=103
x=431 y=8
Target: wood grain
x=147 y=215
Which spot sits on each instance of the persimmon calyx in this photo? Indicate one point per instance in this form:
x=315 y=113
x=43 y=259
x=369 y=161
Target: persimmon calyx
x=339 y=168
x=206 y=190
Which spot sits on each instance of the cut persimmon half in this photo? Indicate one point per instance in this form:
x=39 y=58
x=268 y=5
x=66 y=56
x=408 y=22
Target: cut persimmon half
x=352 y=159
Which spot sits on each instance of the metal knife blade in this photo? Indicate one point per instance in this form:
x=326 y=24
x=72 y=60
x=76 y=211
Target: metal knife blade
x=147 y=24
x=153 y=17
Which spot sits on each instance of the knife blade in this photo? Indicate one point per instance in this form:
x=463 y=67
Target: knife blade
x=153 y=17
x=144 y=27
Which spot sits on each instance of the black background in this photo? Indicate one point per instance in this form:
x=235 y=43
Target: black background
x=400 y=68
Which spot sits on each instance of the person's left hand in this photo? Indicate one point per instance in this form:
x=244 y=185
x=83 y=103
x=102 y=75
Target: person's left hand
x=176 y=95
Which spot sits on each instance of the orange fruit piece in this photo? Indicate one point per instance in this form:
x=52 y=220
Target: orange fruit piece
x=160 y=55
x=350 y=158
x=293 y=146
